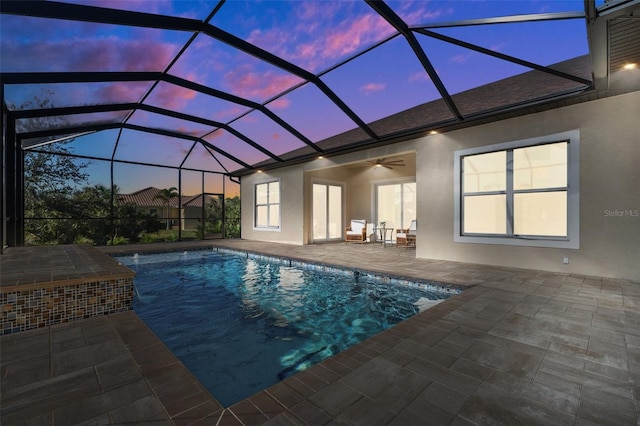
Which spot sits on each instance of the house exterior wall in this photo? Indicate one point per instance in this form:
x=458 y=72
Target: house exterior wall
x=291 y=204
x=609 y=184
x=609 y=181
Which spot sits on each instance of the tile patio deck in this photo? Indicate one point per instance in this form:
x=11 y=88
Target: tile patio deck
x=518 y=347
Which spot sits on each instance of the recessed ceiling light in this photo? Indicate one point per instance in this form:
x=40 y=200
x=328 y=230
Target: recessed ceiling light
x=320 y=157
x=630 y=66
x=259 y=171
x=433 y=132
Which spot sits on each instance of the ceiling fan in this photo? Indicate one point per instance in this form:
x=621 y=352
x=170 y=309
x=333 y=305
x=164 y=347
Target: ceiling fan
x=389 y=163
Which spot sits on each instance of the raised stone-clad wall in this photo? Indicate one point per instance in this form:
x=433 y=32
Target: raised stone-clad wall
x=42 y=286
x=42 y=306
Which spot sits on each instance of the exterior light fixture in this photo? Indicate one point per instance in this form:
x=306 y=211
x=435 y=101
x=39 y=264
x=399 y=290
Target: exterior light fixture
x=259 y=171
x=630 y=66
x=433 y=132
x=320 y=157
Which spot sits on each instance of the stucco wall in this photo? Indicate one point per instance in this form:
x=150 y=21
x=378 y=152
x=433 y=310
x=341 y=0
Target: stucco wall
x=291 y=193
x=609 y=181
x=609 y=177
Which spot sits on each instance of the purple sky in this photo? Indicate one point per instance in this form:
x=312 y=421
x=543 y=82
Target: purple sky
x=314 y=35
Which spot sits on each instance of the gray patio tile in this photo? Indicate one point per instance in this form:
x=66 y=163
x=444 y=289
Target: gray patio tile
x=119 y=370
x=248 y=413
x=559 y=383
x=210 y=411
x=145 y=411
x=33 y=345
x=310 y=414
x=398 y=357
x=504 y=359
x=20 y=373
x=178 y=403
x=284 y=419
x=299 y=387
x=366 y=412
x=88 y=406
x=286 y=396
x=323 y=373
x=586 y=378
x=494 y=405
x=471 y=369
x=386 y=384
x=312 y=381
x=267 y=404
x=606 y=371
x=449 y=377
x=606 y=408
x=40 y=397
x=226 y=419
x=611 y=360
x=521 y=388
x=63 y=339
x=24 y=418
x=335 y=398
x=421 y=413
x=84 y=356
x=442 y=396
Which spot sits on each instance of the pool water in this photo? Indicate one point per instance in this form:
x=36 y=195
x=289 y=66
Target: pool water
x=241 y=325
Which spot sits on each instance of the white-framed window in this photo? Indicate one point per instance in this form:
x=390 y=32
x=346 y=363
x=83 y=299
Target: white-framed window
x=519 y=193
x=267 y=205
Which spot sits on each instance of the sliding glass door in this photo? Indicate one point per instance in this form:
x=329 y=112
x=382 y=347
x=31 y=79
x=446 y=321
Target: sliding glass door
x=327 y=212
x=396 y=204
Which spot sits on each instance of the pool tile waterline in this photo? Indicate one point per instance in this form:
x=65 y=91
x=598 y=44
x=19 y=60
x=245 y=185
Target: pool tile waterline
x=354 y=273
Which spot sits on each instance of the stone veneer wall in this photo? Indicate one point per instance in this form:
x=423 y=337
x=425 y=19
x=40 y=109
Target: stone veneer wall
x=46 y=304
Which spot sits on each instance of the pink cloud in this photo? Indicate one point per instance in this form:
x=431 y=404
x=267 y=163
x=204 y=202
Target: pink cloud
x=280 y=103
x=367 y=89
x=171 y=96
x=106 y=54
x=461 y=58
x=245 y=82
x=422 y=14
x=362 y=31
x=230 y=112
x=419 y=76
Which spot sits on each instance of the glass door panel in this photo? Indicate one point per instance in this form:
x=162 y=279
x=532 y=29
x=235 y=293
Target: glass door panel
x=327 y=212
x=396 y=204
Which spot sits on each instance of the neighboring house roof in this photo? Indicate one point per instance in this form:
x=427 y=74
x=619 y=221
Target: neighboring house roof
x=148 y=197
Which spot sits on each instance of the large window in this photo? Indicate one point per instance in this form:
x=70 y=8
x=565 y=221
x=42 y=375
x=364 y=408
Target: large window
x=267 y=202
x=519 y=193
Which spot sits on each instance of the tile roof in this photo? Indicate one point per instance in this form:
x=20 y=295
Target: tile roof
x=148 y=197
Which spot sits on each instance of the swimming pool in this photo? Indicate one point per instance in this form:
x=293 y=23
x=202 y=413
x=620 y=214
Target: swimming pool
x=240 y=325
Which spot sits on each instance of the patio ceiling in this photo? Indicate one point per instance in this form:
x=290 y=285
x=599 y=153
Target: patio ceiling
x=249 y=85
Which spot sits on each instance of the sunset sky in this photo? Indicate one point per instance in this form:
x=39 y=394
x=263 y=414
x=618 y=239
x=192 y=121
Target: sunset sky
x=314 y=35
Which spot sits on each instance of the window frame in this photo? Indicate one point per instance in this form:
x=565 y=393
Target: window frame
x=570 y=241
x=276 y=228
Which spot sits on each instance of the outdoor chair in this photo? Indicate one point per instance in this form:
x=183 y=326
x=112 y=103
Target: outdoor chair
x=407 y=237
x=357 y=232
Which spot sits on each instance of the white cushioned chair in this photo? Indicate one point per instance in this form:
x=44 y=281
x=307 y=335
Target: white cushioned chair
x=407 y=237
x=357 y=232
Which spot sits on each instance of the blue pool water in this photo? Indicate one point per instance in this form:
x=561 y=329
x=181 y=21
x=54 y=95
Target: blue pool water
x=241 y=325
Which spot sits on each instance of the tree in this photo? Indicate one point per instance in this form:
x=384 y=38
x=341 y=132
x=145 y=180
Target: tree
x=232 y=217
x=49 y=183
x=166 y=195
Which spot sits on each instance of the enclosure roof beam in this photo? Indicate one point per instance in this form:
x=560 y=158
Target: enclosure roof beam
x=392 y=18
